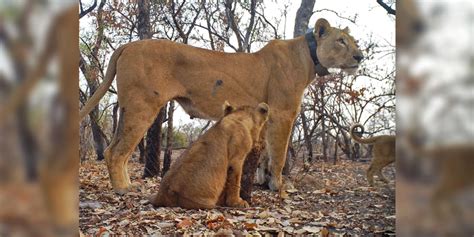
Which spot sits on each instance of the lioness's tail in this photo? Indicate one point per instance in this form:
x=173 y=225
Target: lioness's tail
x=109 y=78
x=358 y=139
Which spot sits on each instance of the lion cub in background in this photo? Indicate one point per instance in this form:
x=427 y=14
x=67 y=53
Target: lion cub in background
x=383 y=153
x=209 y=172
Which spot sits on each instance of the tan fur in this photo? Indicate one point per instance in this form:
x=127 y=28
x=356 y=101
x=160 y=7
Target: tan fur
x=152 y=72
x=383 y=153
x=210 y=170
x=455 y=164
x=409 y=24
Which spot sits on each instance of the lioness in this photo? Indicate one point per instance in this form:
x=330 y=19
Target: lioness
x=383 y=153
x=212 y=166
x=152 y=72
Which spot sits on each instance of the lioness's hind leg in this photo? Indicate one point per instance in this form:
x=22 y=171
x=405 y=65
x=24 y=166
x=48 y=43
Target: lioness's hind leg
x=133 y=122
x=380 y=174
x=370 y=174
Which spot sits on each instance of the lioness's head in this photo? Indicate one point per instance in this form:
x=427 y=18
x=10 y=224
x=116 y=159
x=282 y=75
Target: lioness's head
x=336 y=48
x=252 y=117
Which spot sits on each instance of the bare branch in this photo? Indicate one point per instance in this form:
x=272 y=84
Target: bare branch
x=353 y=20
x=386 y=7
x=89 y=9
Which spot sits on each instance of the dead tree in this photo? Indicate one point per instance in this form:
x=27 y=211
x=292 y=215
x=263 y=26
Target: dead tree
x=91 y=73
x=169 y=140
x=153 y=137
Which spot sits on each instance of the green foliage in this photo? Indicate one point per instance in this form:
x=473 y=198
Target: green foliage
x=179 y=138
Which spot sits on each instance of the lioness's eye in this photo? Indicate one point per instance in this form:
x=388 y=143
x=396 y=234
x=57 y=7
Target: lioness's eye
x=341 y=40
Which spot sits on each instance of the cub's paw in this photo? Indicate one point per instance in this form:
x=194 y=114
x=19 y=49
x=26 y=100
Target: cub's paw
x=239 y=203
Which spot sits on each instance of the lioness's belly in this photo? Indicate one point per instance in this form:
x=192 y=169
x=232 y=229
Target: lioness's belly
x=206 y=100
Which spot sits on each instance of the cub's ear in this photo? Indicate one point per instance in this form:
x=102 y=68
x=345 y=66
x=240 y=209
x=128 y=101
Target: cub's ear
x=227 y=108
x=321 y=28
x=347 y=30
x=263 y=108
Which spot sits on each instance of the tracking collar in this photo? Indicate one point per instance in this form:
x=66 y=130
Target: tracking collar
x=320 y=69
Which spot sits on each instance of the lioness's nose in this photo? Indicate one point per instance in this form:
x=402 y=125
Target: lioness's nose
x=358 y=58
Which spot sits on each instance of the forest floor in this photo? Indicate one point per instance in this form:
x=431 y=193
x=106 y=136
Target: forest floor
x=327 y=199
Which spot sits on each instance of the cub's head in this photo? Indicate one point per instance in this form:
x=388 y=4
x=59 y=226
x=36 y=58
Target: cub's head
x=336 y=48
x=253 y=118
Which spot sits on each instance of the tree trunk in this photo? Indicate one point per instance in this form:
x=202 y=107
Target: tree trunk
x=153 y=147
x=141 y=148
x=143 y=19
x=91 y=73
x=248 y=173
x=336 y=141
x=290 y=154
x=290 y=157
x=356 y=153
x=323 y=125
x=307 y=137
x=153 y=137
x=115 y=117
x=304 y=13
x=169 y=140
x=99 y=145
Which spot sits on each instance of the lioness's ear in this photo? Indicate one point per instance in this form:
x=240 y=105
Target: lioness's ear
x=346 y=30
x=263 y=108
x=227 y=108
x=321 y=28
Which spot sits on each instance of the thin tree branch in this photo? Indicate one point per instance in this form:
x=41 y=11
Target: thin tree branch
x=386 y=7
x=89 y=9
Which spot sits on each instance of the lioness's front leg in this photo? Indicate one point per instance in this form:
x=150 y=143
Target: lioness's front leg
x=278 y=134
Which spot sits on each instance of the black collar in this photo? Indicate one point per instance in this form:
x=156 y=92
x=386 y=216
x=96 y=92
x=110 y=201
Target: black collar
x=320 y=69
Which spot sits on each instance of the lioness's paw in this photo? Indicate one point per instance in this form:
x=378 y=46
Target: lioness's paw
x=274 y=184
x=121 y=191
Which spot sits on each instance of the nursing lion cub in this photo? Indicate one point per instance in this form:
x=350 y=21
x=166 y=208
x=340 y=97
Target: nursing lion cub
x=209 y=172
x=383 y=153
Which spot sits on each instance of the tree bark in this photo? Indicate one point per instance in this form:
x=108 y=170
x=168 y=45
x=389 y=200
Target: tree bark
x=248 y=173
x=153 y=147
x=307 y=136
x=91 y=73
x=290 y=156
x=169 y=140
x=141 y=148
x=153 y=137
x=143 y=19
x=304 y=13
x=335 y=148
x=323 y=123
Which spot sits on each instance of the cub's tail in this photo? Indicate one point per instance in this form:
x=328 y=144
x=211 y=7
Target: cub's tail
x=370 y=140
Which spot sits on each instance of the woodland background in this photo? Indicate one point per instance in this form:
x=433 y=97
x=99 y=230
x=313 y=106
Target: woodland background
x=434 y=100
x=327 y=169
x=331 y=104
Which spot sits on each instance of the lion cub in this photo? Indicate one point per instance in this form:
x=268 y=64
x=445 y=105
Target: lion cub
x=209 y=172
x=383 y=153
